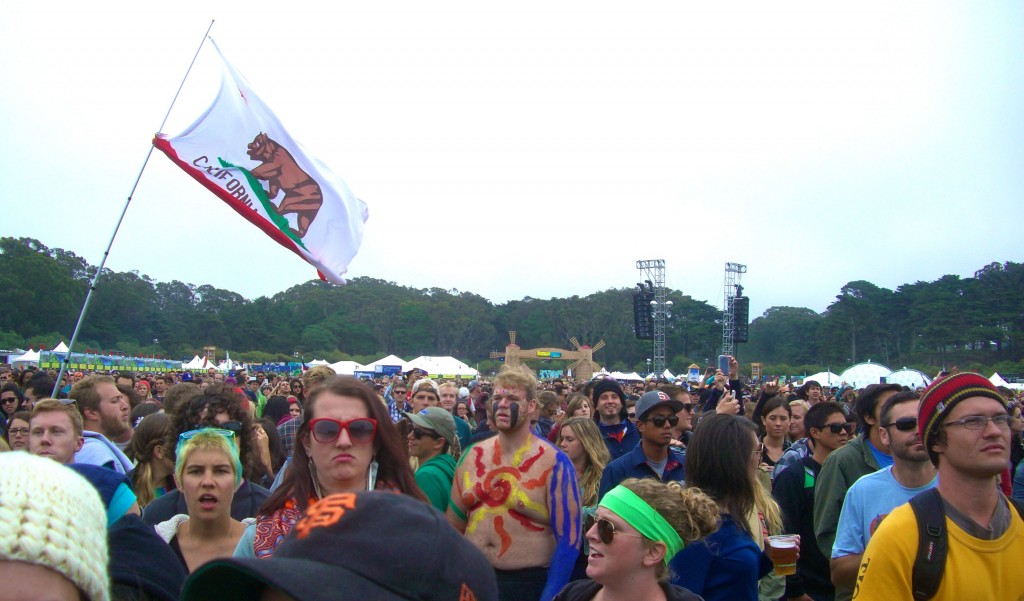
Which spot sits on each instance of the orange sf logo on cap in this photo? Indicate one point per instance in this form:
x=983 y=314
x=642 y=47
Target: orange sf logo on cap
x=326 y=513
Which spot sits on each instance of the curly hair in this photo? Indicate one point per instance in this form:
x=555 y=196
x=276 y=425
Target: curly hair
x=202 y=411
x=690 y=512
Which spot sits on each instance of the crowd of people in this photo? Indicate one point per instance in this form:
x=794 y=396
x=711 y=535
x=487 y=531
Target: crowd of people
x=260 y=486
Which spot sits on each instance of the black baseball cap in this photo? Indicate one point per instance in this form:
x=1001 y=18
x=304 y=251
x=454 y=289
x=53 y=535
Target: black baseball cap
x=356 y=546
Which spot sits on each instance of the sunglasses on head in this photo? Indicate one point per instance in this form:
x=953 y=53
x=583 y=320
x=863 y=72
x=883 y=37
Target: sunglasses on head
x=903 y=424
x=327 y=430
x=659 y=421
x=419 y=433
x=840 y=427
x=605 y=529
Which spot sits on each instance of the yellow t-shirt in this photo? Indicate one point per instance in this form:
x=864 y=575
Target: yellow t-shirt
x=975 y=568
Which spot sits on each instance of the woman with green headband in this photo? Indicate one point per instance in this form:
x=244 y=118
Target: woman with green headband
x=640 y=526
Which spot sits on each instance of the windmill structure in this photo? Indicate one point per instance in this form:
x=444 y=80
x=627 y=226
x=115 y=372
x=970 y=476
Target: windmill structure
x=582 y=367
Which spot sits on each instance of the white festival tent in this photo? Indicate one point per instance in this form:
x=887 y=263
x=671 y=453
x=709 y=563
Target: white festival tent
x=60 y=348
x=442 y=366
x=389 y=360
x=30 y=357
x=997 y=380
x=826 y=378
x=195 y=363
x=668 y=375
x=863 y=374
x=911 y=378
x=630 y=377
x=316 y=362
x=346 y=368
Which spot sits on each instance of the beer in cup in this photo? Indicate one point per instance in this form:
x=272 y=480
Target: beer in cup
x=782 y=551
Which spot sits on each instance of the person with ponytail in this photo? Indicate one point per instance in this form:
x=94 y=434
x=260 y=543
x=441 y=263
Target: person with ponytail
x=154 y=464
x=434 y=441
x=640 y=525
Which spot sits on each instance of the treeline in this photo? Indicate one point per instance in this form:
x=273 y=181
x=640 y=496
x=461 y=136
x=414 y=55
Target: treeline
x=975 y=320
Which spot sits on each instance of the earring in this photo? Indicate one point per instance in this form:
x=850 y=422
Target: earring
x=316 y=481
x=371 y=474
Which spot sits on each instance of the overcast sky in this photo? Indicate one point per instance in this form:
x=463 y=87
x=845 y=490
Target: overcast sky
x=540 y=148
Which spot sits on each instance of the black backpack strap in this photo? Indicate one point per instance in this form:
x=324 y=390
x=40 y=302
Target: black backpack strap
x=932 y=544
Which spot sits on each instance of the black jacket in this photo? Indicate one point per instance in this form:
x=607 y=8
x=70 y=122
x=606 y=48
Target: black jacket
x=248 y=499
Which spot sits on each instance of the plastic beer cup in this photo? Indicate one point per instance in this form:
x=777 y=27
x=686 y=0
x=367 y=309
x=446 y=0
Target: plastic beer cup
x=782 y=551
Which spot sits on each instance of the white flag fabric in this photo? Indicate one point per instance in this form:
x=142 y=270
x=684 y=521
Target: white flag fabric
x=241 y=152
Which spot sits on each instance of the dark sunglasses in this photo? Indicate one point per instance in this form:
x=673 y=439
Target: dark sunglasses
x=631 y=415
x=903 y=424
x=837 y=428
x=234 y=426
x=419 y=433
x=688 y=407
x=659 y=421
x=605 y=529
x=360 y=430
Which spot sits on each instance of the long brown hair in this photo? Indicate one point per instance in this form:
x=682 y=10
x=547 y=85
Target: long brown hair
x=391 y=455
x=718 y=462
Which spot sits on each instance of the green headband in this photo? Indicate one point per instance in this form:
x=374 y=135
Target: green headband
x=638 y=514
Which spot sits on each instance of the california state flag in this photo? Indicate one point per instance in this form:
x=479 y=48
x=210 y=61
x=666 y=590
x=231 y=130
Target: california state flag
x=241 y=152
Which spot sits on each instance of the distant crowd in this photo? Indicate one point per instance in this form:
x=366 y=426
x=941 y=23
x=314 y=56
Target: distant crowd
x=253 y=485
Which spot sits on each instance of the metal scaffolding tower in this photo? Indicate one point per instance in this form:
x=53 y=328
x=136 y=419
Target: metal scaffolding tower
x=661 y=309
x=733 y=271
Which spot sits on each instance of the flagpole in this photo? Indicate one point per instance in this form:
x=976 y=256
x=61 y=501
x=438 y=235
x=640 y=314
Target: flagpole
x=92 y=284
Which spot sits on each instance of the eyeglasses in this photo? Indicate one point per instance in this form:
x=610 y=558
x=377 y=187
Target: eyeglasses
x=659 y=421
x=688 y=407
x=605 y=530
x=401 y=392
x=839 y=427
x=326 y=430
x=18 y=431
x=979 y=422
x=904 y=424
x=419 y=433
x=9 y=399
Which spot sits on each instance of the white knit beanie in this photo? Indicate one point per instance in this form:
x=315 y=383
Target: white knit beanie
x=52 y=517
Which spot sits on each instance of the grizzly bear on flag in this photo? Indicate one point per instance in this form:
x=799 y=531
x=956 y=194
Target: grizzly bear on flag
x=302 y=194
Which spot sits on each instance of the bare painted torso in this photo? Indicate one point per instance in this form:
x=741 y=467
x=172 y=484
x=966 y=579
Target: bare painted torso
x=505 y=494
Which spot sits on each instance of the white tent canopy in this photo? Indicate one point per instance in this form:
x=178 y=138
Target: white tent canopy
x=864 y=374
x=30 y=356
x=195 y=363
x=442 y=366
x=316 y=362
x=997 y=380
x=389 y=360
x=61 y=348
x=346 y=368
x=911 y=378
x=827 y=379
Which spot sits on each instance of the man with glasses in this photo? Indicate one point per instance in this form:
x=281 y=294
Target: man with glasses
x=654 y=457
x=828 y=430
x=874 y=496
x=965 y=428
x=395 y=397
x=861 y=456
x=434 y=442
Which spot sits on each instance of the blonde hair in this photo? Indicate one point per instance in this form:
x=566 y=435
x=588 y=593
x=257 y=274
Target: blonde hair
x=517 y=377
x=766 y=506
x=691 y=513
x=151 y=433
x=207 y=439
x=587 y=432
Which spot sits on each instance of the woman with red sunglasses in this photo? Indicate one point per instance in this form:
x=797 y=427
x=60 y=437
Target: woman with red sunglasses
x=346 y=443
x=640 y=525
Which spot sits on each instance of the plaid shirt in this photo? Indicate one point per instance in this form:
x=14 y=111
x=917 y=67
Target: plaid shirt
x=396 y=413
x=287 y=432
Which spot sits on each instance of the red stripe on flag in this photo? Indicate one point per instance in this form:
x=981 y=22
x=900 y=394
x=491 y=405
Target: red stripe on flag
x=164 y=146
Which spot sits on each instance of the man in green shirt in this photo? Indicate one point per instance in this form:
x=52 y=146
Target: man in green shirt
x=432 y=440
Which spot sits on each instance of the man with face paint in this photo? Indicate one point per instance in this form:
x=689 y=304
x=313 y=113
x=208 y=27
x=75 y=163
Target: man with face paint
x=619 y=434
x=515 y=496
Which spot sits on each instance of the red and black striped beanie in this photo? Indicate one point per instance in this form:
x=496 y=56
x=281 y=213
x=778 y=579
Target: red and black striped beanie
x=940 y=398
